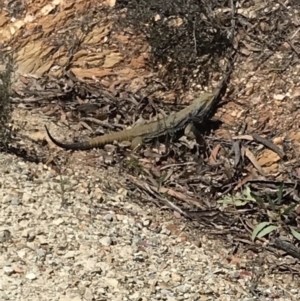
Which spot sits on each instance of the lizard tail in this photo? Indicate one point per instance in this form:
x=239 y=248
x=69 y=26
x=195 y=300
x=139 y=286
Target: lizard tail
x=72 y=146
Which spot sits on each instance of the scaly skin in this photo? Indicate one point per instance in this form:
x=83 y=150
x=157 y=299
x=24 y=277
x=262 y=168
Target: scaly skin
x=174 y=122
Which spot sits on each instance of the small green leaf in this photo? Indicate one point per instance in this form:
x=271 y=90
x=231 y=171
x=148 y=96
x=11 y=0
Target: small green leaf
x=239 y=199
x=258 y=228
x=161 y=180
x=229 y=200
x=266 y=231
x=271 y=202
x=295 y=233
x=280 y=193
x=289 y=209
x=247 y=193
x=263 y=229
x=260 y=201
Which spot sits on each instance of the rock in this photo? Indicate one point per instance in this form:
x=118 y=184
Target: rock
x=8 y=270
x=105 y=241
x=31 y=276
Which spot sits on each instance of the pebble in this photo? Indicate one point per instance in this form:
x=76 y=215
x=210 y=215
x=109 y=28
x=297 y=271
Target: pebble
x=77 y=298
x=31 y=276
x=70 y=254
x=58 y=221
x=5 y=236
x=41 y=253
x=15 y=201
x=88 y=294
x=7 y=198
x=112 y=282
x=176 y=277
x=146 y=222
x=184 y=288
x=8 y=270
x=135 y=296
x=105 y=241
x=26 y=197
x=109 y=217
x=4 y=296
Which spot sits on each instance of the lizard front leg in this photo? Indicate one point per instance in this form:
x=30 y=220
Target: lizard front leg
x=136 y=143
x=190 y=130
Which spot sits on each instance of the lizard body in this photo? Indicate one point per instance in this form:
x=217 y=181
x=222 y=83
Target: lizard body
x=173 y=123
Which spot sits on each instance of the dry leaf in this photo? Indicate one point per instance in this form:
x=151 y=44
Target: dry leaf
x=268 y=158
x=213 y=156
x=253 y=160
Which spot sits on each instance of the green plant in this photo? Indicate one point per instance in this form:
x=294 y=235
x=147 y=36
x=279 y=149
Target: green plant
x=272 y=207
x=239 y=199
x=64 y=186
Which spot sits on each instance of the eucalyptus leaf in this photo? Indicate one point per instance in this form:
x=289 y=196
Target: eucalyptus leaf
x=259 y=228
x=266 y=231
x=295 y=233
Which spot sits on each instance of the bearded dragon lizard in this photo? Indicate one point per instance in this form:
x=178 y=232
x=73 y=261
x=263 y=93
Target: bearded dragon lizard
x=197 y=111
